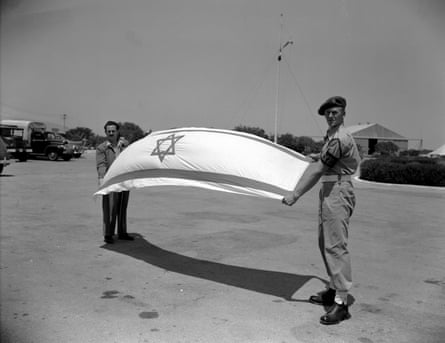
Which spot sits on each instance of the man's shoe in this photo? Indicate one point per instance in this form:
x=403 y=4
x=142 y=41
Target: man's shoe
x=325 y=298
x=336 y=314
x=108 y=239
x=126 y=237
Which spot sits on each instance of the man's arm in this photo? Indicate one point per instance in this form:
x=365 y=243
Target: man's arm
x=310 y=177
x=101 y=162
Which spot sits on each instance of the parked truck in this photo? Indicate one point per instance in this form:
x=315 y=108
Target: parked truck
x=12 y=137
x=4 y=156
x=40 y=142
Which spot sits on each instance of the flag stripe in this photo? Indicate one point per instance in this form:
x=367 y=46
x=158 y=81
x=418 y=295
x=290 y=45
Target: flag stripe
x=232 y=180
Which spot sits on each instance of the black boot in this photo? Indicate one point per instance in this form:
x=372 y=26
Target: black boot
x=325 y=298
x=108 y=239
x=336 y=314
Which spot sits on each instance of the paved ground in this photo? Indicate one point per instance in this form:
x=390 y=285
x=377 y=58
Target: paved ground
x=209 y=266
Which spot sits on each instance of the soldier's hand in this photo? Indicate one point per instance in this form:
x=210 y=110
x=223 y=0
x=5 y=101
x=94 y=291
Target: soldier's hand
x=289 y=199
x=315 y=157
x=122 y=142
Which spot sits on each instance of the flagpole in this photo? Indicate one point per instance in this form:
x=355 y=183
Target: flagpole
x=280 y=52
x=277 y=84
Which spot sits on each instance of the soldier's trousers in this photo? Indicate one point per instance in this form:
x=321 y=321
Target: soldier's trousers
x=114 y=208
x=337 y=202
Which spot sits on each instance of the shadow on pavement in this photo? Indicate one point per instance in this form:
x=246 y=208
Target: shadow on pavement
x=279 y=284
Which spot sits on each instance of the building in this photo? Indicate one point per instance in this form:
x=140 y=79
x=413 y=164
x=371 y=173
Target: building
x=368 y=135
x=439 y=152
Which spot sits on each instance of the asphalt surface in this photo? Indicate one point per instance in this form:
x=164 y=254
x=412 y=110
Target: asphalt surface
x=210 y=266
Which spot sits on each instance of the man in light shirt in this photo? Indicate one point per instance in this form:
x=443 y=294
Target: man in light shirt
x=114 y=205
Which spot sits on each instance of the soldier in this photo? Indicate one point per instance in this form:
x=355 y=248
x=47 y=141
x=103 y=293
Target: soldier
x=338 y=160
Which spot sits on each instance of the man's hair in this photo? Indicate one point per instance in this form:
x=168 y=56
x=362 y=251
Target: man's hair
x=111 y=122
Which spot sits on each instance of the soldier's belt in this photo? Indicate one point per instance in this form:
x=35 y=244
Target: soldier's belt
x=335 y=178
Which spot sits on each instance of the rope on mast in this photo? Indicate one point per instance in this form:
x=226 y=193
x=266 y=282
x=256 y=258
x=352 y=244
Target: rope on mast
x=304 y=98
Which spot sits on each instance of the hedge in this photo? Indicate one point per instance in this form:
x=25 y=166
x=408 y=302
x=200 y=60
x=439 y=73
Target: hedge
x=404 y=170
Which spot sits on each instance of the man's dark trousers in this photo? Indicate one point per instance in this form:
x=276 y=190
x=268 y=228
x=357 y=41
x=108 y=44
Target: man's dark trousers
x=114 y=207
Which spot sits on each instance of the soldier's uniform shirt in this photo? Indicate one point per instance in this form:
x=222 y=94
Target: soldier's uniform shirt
x=340 y=153
x=337 y=202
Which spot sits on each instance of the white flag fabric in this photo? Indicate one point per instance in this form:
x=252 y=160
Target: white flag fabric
x=221 y=160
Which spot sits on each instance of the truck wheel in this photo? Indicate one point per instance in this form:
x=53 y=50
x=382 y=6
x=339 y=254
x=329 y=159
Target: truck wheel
x=23 y=157
x=52 y=155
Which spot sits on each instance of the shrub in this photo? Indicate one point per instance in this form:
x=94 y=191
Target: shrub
x=386 y=148
x=410 y=152
x=406 y=160
x=404 y=170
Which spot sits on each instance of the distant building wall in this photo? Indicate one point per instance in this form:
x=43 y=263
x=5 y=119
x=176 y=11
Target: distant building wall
x=368 y=144
x=364 y=146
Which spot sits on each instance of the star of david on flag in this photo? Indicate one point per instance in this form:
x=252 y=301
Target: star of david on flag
x=161 y=144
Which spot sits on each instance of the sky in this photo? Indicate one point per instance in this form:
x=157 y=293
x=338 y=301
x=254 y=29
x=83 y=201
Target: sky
x=213 y=63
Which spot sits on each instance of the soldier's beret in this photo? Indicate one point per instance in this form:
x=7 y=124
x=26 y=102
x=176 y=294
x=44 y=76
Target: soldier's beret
x=335 y=101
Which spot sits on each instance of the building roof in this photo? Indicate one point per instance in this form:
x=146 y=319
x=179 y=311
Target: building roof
x=372 y=130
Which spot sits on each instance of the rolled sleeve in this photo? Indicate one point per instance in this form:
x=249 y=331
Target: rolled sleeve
x=331 y=152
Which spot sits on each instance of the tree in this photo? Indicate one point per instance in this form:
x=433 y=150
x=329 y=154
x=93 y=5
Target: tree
x=305 y=145
x=83 y=134
x=79 y=133
x=288 y=140
x=131 y=131
x=97 y=140
x=252 y=130
x=318 y=146
x=386 y=148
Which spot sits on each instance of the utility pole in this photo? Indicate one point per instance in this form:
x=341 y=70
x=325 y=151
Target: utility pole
x=280 y=53
x=64 y=121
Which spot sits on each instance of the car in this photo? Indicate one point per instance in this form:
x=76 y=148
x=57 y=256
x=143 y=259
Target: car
x=76 y=146
x=50 y=144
